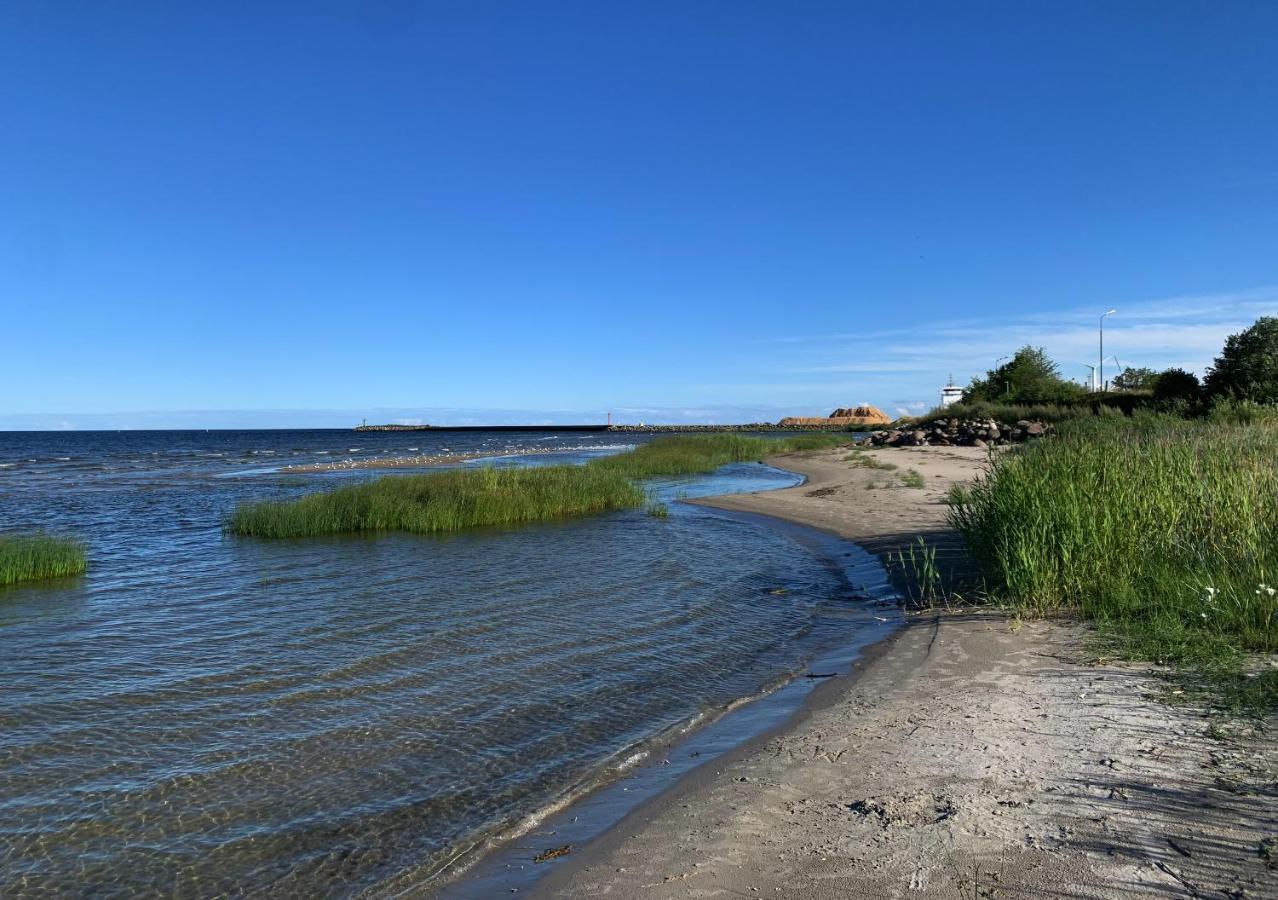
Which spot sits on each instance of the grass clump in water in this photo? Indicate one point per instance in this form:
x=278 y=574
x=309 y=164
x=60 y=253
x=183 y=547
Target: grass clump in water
x=449 y=500
x=698 y=454
x=455 y=499
x=1163 y=531
x=37 y=556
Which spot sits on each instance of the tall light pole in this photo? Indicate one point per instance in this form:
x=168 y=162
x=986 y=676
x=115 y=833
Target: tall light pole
x=1007 y=387
x=1101 y=369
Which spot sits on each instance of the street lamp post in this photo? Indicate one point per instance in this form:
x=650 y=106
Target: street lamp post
x=1007 y=385
x=1101 y=369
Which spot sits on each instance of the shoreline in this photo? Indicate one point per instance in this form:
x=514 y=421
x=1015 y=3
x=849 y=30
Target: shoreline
x=967 y=754
x=504 y=865
x=657 y=765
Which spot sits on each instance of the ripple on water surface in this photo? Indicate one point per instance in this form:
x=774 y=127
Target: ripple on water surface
x=202 y=714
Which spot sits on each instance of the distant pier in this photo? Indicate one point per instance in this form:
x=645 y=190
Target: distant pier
x=623 y=429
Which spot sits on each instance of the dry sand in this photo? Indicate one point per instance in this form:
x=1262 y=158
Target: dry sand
x=969 y=756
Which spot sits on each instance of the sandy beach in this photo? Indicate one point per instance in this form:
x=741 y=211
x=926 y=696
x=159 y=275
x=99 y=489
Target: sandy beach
x=972 y=755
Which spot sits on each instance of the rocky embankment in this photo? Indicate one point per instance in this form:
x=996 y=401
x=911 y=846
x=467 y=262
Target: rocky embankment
x=960 y=433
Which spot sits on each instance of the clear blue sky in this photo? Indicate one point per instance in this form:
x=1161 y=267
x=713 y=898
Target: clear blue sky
x=571 y=207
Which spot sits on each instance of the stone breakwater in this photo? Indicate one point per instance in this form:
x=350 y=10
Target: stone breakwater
x=816 y=425
x=960 y=433
x=785 y=425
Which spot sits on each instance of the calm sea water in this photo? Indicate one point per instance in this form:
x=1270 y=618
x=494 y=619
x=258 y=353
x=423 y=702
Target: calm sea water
x=203 y=714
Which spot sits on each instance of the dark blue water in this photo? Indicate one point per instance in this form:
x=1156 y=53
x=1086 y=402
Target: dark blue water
x=202 y=714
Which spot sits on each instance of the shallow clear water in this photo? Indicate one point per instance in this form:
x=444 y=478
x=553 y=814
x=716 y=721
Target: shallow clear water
x=203 y=714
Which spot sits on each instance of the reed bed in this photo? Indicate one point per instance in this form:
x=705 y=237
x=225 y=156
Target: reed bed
x=456 y=499
x=1164 y=531
x=37 y=556
x=450 y=500
x=698 y=454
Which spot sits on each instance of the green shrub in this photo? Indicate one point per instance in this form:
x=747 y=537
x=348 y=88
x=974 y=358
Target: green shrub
x=1176 y=386
x=1008 y=414
x=1029 y=377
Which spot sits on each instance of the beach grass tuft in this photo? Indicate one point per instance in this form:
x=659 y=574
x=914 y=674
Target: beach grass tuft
x=865 y=461
x=1163 y=531
x=913 y=478
x=456 y=499
x=37 y=556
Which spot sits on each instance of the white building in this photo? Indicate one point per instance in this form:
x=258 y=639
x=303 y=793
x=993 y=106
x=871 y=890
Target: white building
x=951 y=393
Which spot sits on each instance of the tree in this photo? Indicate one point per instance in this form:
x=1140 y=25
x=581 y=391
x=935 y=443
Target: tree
x=1177 y=385
x=1135 y=379
x=1247 y=368
x=1028 y=377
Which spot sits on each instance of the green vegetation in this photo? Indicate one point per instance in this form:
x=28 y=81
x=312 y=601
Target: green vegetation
x=1135 y=378
x=658 y=510
x=1029 y=377
x=443 y=501
x=866 y=461
x=701 y=453
x=32 y=557
x=917 y=566
x=1241 y=386
x=1153 y=510
x=1175 y=386
x=1162 y=530
x=1242 y=412
x=1247 y=368
x=913 y=479
x=1009 y=413
x=455 y=499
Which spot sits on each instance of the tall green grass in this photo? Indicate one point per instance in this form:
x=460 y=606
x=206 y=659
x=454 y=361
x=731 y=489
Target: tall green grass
x=32 y=557
x=696 y=454
x=455 y=499
x=449 y=500
x=1164 y=531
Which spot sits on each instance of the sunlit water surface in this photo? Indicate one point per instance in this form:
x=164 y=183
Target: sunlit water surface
x=202 y=714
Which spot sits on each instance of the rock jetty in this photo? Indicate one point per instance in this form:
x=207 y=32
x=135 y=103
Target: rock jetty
x=960 y=433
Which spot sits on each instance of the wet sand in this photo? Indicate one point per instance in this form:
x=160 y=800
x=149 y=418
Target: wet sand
x=969 y=756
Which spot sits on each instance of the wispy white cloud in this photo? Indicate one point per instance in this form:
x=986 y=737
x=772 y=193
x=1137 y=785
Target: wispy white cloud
x=1186 y=331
